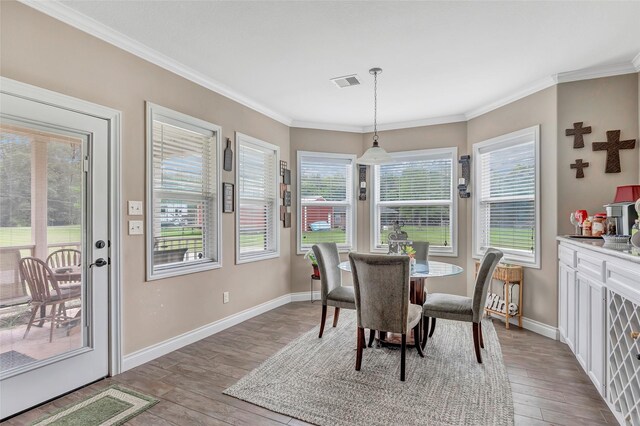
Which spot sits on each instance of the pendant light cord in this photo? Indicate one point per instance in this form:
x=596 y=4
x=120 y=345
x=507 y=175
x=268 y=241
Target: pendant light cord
x=375 y=108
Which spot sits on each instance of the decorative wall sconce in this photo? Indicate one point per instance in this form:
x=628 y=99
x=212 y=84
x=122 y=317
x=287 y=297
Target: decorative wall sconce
x=464 y=180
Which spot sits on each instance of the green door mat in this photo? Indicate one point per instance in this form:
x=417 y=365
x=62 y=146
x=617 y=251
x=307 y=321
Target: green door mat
x=109 y=407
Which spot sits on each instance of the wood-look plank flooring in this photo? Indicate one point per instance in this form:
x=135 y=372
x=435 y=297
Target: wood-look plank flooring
x=549 y=387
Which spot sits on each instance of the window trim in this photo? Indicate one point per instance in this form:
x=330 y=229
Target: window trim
x=353 y=237
x=453 y=152
x=500 y=142
x=189 y=121
x=241 y=137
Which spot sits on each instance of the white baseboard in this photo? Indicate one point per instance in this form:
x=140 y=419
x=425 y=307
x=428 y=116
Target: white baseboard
x=159 y=349
x=535 y=326
x=303 y=296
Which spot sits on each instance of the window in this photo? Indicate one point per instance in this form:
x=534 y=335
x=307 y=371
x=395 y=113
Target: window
x=257 y=178
x=506 y=206
x=416 y=189
x=183 y=219
x=326 y=211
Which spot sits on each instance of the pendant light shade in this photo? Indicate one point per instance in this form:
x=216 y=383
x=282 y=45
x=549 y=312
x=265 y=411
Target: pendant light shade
x=376 y=154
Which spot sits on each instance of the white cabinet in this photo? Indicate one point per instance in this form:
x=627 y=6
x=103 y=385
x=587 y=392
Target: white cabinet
x=598 y=313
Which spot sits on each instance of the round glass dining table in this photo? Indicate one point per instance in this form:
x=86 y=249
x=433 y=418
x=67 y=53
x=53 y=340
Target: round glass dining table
x=423 y=269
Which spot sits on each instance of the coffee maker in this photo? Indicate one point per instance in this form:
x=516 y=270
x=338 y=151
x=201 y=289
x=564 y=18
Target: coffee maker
x=624 y=214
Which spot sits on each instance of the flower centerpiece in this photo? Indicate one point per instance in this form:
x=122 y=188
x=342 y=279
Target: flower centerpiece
x=411 y=252
x=311 y=257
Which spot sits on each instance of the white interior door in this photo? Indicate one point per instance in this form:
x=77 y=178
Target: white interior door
x=53 y=212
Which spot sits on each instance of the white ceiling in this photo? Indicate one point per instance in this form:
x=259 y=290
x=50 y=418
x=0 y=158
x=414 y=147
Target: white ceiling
x=440 y=59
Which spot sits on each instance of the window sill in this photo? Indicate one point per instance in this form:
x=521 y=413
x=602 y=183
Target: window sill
x=252 y=259
x=513 y=261
x=185 y=270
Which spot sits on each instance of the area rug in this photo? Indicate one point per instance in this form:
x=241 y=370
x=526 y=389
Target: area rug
x=112 y=406
x=13 y=359
x=315 y=380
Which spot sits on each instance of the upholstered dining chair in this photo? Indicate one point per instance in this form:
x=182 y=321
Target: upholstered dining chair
x=381 y=286
x=332 y=292
x=45 y=291
x=422 y=250
x=461 y=308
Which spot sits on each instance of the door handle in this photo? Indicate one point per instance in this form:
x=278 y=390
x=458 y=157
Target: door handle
x=99 y=263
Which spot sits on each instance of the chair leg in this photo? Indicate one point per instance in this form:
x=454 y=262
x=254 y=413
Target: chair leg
x=322 y=320
x=53 y=322
x=34 y=311
x=360 y=348
x=336 y=315
x=480 y=334
x=372 y=335
x=416 y=338
x=433 y=327
x=425 y=331
x=403 y=354
x=476 y=342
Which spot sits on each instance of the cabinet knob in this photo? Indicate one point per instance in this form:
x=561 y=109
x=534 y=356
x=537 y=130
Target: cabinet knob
x=635 y=335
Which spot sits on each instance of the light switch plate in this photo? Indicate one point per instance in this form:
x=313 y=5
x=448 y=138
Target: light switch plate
x=135 y=208
x=225 y=297
x=136 y=227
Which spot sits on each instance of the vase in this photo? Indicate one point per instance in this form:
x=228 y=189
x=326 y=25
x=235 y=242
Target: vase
x=316 y=271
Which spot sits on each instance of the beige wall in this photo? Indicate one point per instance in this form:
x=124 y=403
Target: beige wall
x=440 y=136
x=609 y=103
x=42 y=51
x=540 y=294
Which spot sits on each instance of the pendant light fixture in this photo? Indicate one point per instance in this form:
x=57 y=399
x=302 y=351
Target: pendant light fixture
x=375 y=154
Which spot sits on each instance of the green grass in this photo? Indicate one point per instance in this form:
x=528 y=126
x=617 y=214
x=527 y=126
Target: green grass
x=21 y=236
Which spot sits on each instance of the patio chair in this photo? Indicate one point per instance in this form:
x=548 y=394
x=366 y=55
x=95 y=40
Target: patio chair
x=13 y=290
x=64 y=258
x=45 y=292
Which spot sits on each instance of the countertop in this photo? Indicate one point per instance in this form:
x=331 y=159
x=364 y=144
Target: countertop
x=622 y=251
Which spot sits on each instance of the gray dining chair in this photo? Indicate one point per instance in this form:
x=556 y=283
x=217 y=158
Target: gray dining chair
x=381 y=286
x=332 y=292
x=461 y=308
x=422 y=250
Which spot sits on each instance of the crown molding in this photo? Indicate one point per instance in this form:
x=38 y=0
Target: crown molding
x=326 y=126
x=70 y=16
x=417 y=123
x=597 y=72
x=523 y=92
x=636 y=62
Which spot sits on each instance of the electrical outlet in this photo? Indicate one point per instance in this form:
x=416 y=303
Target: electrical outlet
x=135 y=208
x=225 y=297
x=136 y=227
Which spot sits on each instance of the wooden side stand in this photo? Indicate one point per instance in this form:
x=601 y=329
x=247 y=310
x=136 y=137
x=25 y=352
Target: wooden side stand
x=508 y=274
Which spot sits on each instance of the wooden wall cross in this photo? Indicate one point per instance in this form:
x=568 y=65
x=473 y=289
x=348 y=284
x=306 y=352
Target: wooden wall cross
x=579 y=166
x=613 y=145
x=577 y=132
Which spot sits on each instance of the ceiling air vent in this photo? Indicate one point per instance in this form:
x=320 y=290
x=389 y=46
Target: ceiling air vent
x=346 y=81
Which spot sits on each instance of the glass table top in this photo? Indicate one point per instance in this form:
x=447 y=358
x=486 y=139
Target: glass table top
x=430 y=269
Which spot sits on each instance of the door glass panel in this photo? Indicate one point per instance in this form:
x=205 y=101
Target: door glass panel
x=42 y=199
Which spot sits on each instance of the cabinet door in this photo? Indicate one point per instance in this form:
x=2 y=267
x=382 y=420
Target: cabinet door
x=570 y=307
x=597 y=326
x=582 y=323
x=563 y=285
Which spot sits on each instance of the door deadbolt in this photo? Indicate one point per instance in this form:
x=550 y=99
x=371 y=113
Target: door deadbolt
x=100 y=244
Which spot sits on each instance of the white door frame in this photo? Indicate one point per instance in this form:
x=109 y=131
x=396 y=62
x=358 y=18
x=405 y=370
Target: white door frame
x=114 y=118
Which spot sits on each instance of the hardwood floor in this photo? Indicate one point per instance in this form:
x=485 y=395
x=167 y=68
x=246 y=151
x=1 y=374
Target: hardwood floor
x=549 y=387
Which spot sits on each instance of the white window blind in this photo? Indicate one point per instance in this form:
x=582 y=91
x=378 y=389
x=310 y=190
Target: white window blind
x=325 y=199
x=183 y=198
x=506 y=206
x=258 y=202
x=416 y=190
